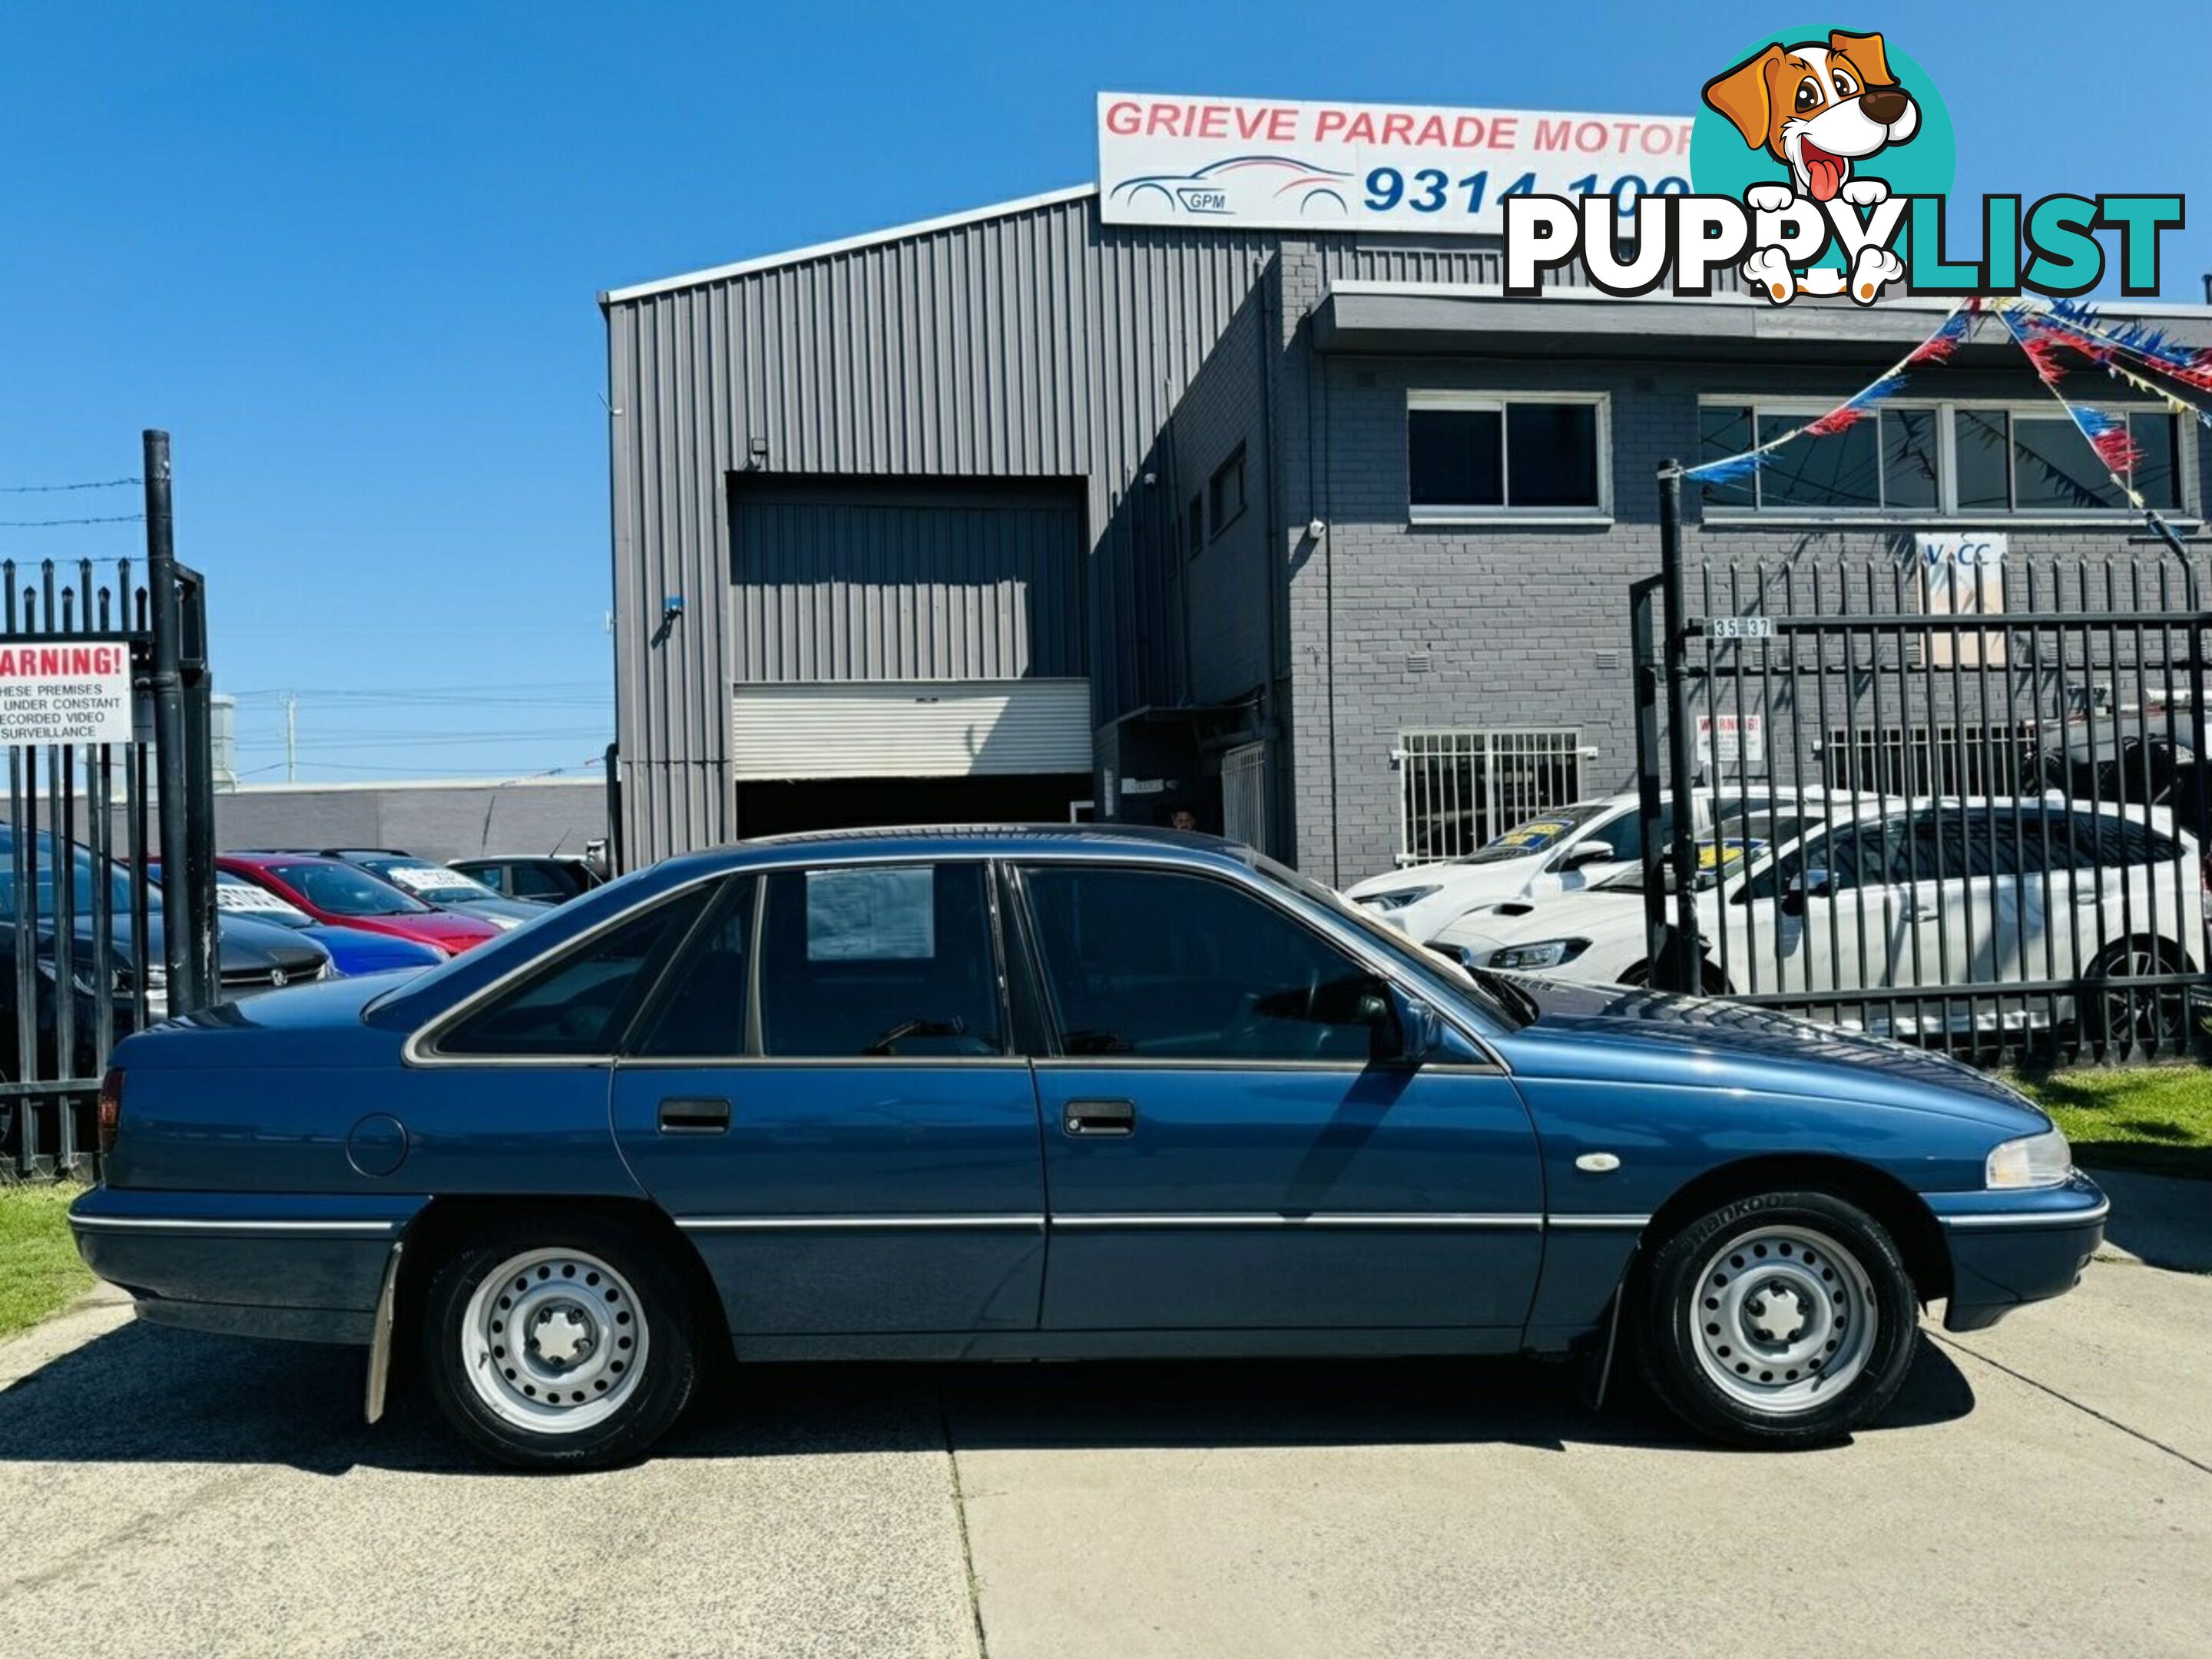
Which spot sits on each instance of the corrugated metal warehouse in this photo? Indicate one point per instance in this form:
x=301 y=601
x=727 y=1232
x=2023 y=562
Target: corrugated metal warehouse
x=1024 y=514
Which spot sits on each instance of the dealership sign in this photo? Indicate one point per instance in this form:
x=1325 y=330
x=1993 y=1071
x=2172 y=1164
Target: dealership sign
x=1270 y=164
x=72 y=693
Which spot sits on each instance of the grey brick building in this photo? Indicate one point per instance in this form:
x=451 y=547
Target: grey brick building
x=1022 y=514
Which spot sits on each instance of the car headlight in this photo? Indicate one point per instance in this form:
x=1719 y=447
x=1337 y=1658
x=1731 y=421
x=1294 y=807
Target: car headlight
x=1546 y=953
x=504 y=923
x=2044 y=1160
x=1401 y=898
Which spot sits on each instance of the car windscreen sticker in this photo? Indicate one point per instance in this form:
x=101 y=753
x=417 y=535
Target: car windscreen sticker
x=419 y=879
x=1710 y=856
x=1533 y=836
x=870 y=915
x=244 y=896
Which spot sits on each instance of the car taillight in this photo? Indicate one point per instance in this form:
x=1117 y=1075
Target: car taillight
x=110 y=1109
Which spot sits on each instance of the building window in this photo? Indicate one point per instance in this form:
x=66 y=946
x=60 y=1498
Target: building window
x=1194 y=526
x=1940 y=760
x=1244 y=794
x=1225 y=493
x=1935 y=459
x=1477 y=456
x=1459 y=790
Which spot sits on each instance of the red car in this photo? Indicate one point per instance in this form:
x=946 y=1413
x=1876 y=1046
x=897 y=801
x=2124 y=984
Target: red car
x=345 y=895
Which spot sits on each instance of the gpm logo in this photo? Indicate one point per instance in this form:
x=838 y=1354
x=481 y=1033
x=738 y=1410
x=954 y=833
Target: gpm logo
x=1822 y=167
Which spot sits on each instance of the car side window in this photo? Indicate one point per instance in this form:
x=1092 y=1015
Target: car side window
x=1623 y=835
x=700 y=1012
x=533 y=881
x=578 y=1005
x=1160 y=965
x=880 y=961
x=1854 y=853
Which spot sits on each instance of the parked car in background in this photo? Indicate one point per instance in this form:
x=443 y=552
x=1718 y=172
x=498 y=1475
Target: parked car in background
x=353 y=950
x=1052 y=1093
x=1928 y=893
x=339 y=895
x=251 y=957
x=548 y=878
x=1556 y=852
x=436 y=884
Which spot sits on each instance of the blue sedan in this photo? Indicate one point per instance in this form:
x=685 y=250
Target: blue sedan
x=1051 y=1093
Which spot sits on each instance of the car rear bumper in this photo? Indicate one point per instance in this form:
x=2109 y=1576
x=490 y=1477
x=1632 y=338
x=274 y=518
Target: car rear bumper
x=2011 y=1249
x=303 y=1268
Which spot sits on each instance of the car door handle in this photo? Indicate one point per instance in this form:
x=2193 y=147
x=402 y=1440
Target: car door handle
x=694 y=1116
x=1099 y=1117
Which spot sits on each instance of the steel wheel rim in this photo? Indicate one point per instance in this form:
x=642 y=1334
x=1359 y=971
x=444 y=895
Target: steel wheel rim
x=1784 y=1319
x=554 y=1341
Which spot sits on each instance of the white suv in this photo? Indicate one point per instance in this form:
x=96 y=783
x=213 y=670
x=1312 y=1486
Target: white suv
x=1999 y=906
x=1561 y=851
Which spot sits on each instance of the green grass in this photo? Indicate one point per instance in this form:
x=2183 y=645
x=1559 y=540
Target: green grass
x=2154 y=1118
x=40 y=1271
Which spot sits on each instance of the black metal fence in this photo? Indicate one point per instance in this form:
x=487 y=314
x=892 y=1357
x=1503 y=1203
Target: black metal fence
x=1960 y=804
x=98 y=950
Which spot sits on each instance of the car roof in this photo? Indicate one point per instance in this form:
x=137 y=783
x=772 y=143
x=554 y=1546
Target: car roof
x=263 y=858
x=511 y=858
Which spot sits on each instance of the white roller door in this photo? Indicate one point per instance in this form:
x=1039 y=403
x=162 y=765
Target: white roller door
x=911 y=729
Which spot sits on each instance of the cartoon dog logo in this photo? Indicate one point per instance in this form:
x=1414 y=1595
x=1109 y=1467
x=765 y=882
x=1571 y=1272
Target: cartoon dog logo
x=1819 y=110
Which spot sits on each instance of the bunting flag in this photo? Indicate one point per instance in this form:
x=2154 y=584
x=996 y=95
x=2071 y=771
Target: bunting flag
x=2107 y=434
x=2191 y=365
x=2174 y=402
x=1949 y=334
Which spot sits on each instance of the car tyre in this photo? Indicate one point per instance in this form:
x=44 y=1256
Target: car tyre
x=560 y=1342
x=2155 y=1019
x=1777 y=1320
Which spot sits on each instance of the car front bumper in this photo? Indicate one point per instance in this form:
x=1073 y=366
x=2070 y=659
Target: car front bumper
x=306 y=1268
x=2008 y=1249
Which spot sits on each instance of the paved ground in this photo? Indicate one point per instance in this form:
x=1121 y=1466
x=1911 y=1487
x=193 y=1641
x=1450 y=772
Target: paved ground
x=2041 y=1488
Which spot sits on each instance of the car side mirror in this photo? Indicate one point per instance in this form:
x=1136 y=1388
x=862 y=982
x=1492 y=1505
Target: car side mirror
x=1587 y=852
x=1407 y=1031
x=1812 y=884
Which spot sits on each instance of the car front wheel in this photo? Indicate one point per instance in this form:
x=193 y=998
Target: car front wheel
x=559 y=1345
x=1780 y=1320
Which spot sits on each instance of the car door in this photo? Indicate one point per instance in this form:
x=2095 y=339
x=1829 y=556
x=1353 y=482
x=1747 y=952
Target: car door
x=1221 y=1151
x=1821 y=917
x=826 y=1097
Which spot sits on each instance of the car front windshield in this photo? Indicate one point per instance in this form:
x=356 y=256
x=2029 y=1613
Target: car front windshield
x=1533 y=835
x=1749 y=838
x=345 y=891
x=1393 y=941
x=431 y=882
x=235 y=895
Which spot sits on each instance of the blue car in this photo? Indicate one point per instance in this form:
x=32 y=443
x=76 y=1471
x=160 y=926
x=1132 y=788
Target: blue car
x=1051 y=1093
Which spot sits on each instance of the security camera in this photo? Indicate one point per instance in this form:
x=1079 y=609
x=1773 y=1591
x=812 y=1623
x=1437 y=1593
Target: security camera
x=1316 y=530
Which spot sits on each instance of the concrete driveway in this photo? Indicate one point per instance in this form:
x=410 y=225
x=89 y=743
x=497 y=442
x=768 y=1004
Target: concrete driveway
x=2041 y=1488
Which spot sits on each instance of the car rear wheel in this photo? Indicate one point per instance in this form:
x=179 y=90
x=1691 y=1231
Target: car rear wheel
x=559 y=1344
x=2152 y=1017
x=1781 y=1319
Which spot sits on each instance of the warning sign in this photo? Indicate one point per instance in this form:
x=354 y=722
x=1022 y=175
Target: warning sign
x=65 y=692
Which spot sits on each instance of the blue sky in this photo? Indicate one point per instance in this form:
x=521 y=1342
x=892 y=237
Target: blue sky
x=348 y=256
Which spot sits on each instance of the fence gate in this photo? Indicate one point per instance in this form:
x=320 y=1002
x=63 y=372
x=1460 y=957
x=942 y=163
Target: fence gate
x=1963 y=807
x=97 y=667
